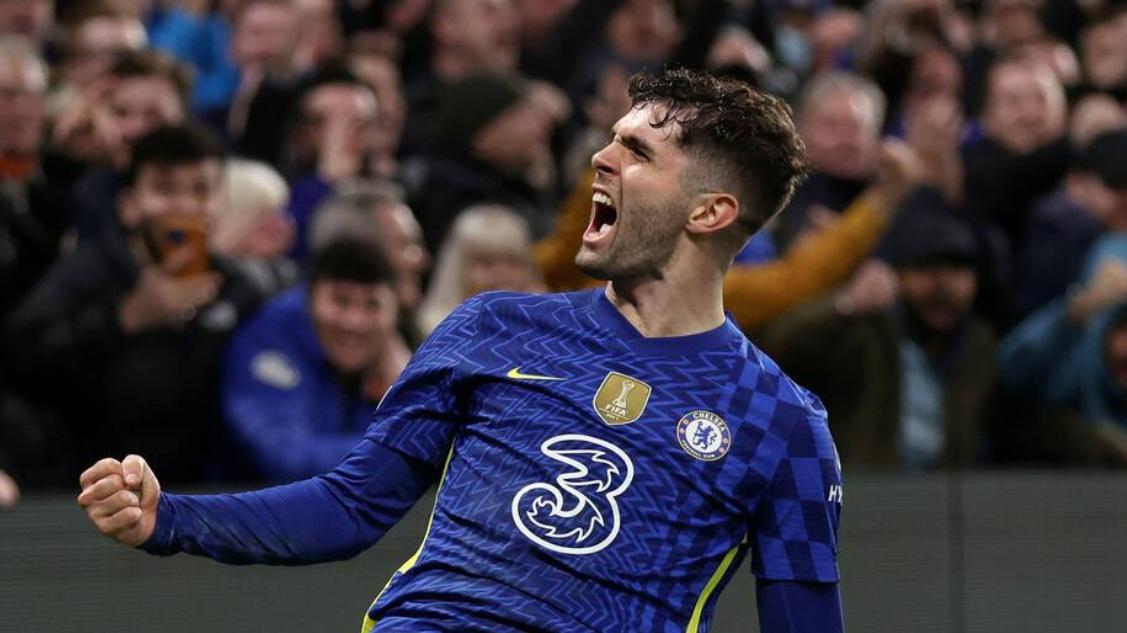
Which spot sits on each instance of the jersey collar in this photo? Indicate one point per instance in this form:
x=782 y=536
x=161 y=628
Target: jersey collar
x=611 y=319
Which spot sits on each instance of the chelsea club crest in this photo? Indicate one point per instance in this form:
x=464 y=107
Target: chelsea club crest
x=704 y=435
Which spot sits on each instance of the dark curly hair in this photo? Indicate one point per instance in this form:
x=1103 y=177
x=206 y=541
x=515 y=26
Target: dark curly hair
x=744 y=140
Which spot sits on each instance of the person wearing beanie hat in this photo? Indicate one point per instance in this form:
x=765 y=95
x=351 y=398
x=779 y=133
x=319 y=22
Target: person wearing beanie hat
x=468 y=105
x=902 y=365
x=492 y=137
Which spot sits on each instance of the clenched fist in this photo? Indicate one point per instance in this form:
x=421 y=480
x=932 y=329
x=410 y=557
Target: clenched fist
x=121 y=499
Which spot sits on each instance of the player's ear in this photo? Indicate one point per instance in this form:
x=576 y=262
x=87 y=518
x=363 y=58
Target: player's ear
x=713 y=212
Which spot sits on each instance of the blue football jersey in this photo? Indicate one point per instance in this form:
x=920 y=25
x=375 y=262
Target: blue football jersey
x=598 y=480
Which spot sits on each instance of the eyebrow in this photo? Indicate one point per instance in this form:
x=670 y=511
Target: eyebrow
x=631 y=142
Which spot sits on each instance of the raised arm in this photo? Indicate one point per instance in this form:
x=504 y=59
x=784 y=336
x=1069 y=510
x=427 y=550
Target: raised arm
x=329 y=517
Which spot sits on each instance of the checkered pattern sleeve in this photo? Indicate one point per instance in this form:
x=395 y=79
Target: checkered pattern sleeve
x=794 y=528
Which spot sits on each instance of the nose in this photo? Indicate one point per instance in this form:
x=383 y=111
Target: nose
x=603 y=162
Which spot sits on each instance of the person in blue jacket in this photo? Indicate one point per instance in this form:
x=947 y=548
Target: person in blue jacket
x=1072 y=355
x=302 y=379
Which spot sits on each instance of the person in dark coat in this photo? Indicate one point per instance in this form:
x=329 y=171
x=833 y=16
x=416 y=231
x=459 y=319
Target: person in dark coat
x=904 y=368
x=122 y=337
x=1065 y=224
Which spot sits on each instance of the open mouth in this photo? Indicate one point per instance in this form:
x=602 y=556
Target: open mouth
x=604 y=215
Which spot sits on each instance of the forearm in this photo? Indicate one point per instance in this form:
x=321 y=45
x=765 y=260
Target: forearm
x=1031 y=354
x=330 y=517
x=799 y=607
x=757 y=295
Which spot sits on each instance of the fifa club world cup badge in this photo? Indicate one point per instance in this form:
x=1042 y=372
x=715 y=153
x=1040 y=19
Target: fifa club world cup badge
x=704 y=435
x=621 y=399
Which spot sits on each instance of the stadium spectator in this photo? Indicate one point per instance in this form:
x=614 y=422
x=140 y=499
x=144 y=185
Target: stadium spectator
x=796 y=48
x=264 y=34
x=328 y=142
x=839 y=116
x=251 y=226
x=492 y=144
x=95 y=34
x=144 y=90
x=1023 y=156
x=132 y=325
x=468 y=37
x=33 y=214
x=375 y=208
x=903 y=366
x=1103 y=53
x=29 y=19
x=302 y=379
x=1093 y=115
x=488 y=248
x=1065 y=225
x=1025 y=150
x=381 y=75
x=557 y=36
x=1070 y=358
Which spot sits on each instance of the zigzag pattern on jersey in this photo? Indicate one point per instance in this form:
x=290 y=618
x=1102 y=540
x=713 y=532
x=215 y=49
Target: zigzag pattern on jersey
x=680 y=515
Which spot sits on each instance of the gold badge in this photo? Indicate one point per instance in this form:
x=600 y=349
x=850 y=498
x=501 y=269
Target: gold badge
x=621 y=399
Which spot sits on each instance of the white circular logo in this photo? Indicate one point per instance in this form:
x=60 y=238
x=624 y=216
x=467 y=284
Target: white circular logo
x=704 y=435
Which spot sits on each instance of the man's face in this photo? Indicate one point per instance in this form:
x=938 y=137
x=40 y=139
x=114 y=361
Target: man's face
x=353 y=322
x=28 y=18
x=139 y=105
x=841 y=135
x=23 y=87
x=486 y=32
x=336 y=104
x=1103 y=51
x=179 y=189
x=264 y=35
x=935 y=74
x=1014 y=21
x=96 y=42
x=638 y=206
x=383 y=76
x=939 y=294
x=1024 y=107
x=403 y=244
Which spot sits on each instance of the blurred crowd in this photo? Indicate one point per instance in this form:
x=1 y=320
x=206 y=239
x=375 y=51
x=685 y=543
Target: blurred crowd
x=226 y=224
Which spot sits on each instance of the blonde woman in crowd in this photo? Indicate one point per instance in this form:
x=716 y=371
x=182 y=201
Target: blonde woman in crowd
x=488 y=248
x=252 y=226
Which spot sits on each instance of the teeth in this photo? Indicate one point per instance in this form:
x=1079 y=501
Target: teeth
x=601 y=198
x=604 y=229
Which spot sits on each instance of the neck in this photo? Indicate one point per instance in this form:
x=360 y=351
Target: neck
x=683 y=302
